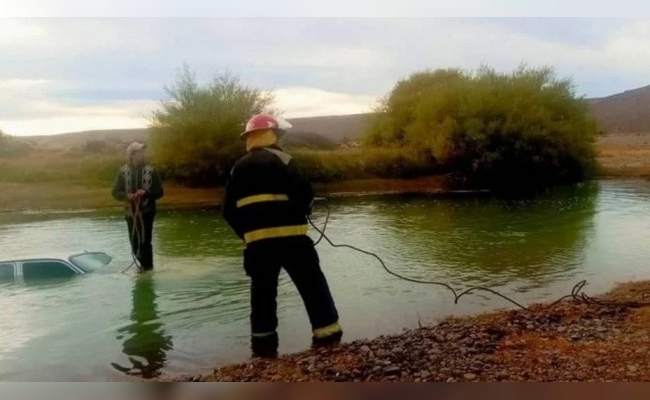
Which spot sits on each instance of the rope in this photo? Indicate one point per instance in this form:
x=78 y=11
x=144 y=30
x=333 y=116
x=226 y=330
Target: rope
x=575 y=292
x=136 y=216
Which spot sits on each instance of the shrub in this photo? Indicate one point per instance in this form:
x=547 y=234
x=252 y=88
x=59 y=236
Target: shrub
x=525 y=127
x=195 y=134
x=364 y=163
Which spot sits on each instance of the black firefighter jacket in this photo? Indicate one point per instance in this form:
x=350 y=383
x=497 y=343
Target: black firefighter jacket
x=266 y=197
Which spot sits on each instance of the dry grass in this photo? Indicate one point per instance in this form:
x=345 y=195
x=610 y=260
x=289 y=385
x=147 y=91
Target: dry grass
x=72 y=197
x=625 y=155
x=65 y=181
x=62 y=166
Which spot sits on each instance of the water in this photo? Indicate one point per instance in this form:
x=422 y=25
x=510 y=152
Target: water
x=192 y=313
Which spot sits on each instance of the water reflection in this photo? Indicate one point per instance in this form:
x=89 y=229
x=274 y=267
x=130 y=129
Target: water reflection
x=479 y=240
x=199 y=291
x=182 y=233
x=147 y=341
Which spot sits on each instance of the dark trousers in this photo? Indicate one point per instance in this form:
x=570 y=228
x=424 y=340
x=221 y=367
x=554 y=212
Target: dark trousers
x=141 y=245
x=262 y=262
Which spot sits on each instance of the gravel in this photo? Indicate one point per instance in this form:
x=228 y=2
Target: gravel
x=570 y=341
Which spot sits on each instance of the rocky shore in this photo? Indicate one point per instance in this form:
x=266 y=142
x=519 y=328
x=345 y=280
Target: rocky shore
x=569 y=341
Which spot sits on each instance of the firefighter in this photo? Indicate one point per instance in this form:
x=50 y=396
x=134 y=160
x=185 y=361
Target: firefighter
x=266 y=203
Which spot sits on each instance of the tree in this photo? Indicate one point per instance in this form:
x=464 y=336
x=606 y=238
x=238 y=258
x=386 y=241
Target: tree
x=499 y=129
x=195 y=134
x=396 y=111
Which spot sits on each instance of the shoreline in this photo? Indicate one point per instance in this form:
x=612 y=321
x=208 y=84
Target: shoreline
x=62 y=199
x=620 y=156
x=569 y=341
x=17 y=198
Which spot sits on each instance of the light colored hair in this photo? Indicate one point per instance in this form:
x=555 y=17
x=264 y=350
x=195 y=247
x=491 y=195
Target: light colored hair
x=261 y=138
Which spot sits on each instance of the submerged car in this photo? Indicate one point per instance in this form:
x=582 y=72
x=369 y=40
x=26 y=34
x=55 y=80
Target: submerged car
x=53 y=266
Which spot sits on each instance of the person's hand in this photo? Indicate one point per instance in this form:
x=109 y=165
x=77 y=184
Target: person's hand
x=140 y=192
x=130 y=196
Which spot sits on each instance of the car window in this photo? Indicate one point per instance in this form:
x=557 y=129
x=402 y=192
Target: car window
x=6 y=271
x=91 y=261
x=46 y=269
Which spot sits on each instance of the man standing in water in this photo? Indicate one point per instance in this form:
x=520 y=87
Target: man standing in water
x=266 y=203
x=138 y=184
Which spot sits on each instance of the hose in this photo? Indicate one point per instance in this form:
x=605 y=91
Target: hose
x=575 y=292
x=136 y=231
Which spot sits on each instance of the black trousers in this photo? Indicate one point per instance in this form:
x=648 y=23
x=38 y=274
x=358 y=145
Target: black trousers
x=145 y=249
x=262 y=262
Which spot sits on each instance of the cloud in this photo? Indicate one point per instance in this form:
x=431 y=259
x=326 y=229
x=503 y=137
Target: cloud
x=331 y=8
x=308 y=102
x=31 y=107
x=109 y=119
x=45 y=118
x=62 y=74
x=62 y=118
x=15 y=32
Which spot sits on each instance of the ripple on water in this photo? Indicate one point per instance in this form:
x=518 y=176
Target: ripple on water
x=194 y=309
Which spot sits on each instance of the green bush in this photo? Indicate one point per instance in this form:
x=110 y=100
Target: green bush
x=525 y=127
x=400 y=163
x=195 y=134
x=365 y=163
x=326 y=166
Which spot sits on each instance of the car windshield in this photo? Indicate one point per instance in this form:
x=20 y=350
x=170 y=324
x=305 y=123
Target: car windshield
x=91 y=261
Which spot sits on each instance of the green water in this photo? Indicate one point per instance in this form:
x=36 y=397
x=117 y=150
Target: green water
x=192 y=313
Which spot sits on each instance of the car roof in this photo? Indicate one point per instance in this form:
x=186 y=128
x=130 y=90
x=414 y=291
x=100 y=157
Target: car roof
x=40 y=256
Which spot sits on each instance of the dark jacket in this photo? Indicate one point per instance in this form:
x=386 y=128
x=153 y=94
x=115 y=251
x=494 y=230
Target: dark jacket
x=131 y=178
x=266 y=197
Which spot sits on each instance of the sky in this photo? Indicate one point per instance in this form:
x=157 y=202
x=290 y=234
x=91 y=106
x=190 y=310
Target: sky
x=70 y=74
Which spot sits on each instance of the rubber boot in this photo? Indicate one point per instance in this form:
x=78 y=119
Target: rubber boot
x=327 y=341
x=265 y=346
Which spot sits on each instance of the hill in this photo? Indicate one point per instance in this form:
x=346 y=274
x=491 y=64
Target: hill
x=622 y=113
x=627 y=112
x=118 y=138
x=79 y=139
x=339 y=128
x=315 y=132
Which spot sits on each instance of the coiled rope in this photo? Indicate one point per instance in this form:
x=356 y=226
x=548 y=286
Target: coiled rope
x=137 y=232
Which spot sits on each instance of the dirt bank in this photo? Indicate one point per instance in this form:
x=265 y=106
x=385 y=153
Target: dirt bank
x=619 y=156
x=624 y=155
x=56 y=197
x=570 y=341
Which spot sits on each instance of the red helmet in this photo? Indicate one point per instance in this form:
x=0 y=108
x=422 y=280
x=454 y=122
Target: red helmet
x=265 y=121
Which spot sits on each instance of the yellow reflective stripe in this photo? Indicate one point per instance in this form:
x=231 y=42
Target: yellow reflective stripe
x=259 y=198
x=327 y=330
x=280 y=231
x=261 y=335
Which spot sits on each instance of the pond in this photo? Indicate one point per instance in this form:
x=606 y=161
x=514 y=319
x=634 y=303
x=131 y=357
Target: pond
x=192 y=313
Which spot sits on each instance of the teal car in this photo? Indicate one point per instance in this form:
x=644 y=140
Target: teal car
x=53 y=266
